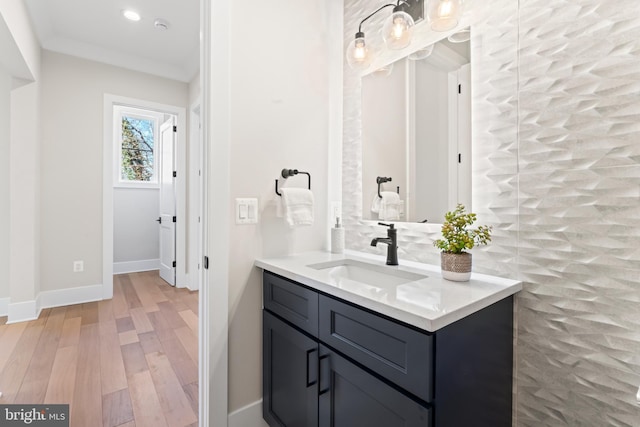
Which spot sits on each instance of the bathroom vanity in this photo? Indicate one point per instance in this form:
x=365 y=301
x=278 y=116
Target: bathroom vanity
x=348 y=341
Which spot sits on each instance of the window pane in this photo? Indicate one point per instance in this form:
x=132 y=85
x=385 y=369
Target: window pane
x=137 y=149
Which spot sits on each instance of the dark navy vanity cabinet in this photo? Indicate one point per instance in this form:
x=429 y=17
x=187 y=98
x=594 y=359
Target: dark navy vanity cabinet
x=330 y=363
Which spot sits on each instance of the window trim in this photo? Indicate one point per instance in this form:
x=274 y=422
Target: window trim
x=141 y=113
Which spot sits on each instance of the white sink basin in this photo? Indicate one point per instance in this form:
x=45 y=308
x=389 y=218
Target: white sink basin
x=370 y=274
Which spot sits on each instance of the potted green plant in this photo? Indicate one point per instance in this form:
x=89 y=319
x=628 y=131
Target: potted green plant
x=457 y=238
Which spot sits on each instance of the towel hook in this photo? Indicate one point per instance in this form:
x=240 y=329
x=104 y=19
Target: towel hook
x=286 y=173
x=381 y=180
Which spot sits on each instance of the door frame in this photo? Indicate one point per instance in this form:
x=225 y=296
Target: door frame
x=196 y=196
x=107 y=186
x=215 y=78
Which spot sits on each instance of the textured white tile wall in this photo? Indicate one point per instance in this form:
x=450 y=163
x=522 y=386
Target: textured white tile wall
x=556 y=153
x=579 y=213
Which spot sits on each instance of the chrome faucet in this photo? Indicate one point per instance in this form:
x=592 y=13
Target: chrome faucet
x=392 y=243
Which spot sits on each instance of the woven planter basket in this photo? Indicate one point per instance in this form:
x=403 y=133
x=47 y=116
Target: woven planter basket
x=456 y=267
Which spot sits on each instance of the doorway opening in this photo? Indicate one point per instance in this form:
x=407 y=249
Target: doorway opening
x=144 y=191
x=171 y=129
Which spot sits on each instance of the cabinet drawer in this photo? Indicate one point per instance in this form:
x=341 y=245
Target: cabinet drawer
x=292 y=302
x=398 y=353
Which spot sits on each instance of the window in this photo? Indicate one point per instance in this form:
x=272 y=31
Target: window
x=136 y=133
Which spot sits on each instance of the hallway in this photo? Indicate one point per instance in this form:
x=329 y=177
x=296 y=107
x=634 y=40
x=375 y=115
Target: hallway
x=132 y=359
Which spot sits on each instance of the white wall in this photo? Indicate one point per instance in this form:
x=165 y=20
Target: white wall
x=135 y=230
x=280 y=109
x=5 y=106
x=194 y=158
x=72 y=135
x=21 y=57
x=384 y=134
x=432 y=142
x=194 y=88
x=16 y=17
x=24 y=198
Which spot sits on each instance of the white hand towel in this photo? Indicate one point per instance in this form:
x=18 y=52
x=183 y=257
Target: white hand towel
x=389 y=206
x=375 y=204
x=297 y=206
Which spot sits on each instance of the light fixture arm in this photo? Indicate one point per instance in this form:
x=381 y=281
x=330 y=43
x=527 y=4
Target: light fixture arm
x=378 y=10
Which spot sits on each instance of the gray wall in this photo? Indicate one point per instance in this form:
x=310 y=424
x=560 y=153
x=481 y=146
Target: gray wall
x=72 y=145
x=562 y=190
x=136 y=234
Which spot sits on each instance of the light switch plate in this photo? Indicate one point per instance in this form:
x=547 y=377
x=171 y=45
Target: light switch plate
x=246 y=211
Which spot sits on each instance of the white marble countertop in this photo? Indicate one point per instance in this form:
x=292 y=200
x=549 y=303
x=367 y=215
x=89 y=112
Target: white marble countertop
x=429 y=303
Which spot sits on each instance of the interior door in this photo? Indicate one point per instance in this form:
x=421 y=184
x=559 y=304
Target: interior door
x=167 y=202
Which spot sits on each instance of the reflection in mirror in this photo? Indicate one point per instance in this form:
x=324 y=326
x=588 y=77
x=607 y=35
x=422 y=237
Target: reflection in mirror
x=416 y=130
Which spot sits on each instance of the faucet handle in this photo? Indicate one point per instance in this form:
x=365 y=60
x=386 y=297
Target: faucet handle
x=386 y=225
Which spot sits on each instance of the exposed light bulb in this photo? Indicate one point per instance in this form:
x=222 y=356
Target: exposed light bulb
x=444 y=9
x=361 y=50
x=443 y=15
x=398 y=29
x=359 y=56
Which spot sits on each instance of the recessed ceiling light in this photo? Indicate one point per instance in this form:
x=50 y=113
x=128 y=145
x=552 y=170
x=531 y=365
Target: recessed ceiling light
x=131 y=15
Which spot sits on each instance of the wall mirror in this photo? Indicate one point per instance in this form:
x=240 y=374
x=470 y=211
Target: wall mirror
x=416 y=134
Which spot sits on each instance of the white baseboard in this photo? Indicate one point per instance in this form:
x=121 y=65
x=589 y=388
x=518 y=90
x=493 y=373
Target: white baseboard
x=69 y=296
x=136 y=266
x=248 y=416
x=4 y=306
x=193 y=282
x=23 y=311
x=30 y=310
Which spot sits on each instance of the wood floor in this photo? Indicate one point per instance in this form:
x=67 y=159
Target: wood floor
x=130 y=361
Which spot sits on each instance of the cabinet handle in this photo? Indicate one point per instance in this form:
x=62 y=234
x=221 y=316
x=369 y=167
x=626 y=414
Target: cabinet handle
x=312 y=374
x=324 y=372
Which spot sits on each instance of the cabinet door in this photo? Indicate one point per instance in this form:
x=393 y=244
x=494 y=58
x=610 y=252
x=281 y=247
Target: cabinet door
x=352 y=397
x=290 y=375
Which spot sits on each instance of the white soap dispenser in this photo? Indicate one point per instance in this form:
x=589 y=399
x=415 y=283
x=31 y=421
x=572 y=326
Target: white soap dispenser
x=337 y=238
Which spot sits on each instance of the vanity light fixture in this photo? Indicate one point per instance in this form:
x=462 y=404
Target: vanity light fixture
x=384 y=71
x=419 y=54
x=461 y=36
x=396 y=32
x=398 y=28
x=443 y=15
x=131 y=15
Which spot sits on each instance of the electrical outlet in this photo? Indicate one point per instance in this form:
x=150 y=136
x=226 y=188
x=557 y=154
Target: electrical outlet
x=78 y=266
